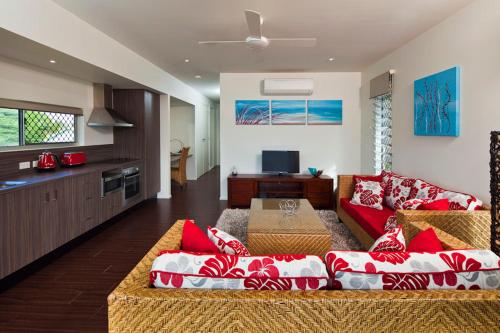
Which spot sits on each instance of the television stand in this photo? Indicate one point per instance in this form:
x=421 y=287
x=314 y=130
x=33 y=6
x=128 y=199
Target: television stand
x=243 y=187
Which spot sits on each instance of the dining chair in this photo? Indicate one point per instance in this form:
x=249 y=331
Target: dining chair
x=178 y=173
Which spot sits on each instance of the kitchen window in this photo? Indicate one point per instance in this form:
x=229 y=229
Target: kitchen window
x=19 y=127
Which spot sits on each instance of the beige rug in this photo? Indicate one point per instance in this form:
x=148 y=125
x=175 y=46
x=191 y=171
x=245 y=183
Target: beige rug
x=235 y=222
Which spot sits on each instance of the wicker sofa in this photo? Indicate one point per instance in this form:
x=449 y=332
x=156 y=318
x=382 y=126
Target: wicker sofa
x=472 y=227
x=134 y=307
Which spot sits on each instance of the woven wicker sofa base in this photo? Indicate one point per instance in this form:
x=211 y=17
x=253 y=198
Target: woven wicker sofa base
x=134 y=307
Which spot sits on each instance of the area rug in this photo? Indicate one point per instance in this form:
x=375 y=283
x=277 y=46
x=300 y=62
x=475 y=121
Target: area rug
x=235 y=222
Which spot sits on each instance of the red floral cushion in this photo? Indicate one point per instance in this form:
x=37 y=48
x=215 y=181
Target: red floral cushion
x=398 y=190
x=391 y=223
x=462 y=269
x=377 y=178
x=369 y=194
x=177 y=269
x=392 y=240
x=460 y=201
x=457 y=200
x=425 y=241
x=425 y=204
x=195 y=240
x=440 y=204
x=227 y=243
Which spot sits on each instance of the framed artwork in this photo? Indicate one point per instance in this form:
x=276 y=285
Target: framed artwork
x=437 y=104
x=324 y=112
x=288 y=112
x=252 y=112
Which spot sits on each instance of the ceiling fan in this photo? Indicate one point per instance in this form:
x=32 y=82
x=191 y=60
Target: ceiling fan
x=257 y=41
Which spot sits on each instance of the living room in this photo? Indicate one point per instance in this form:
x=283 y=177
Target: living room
x=187 y=166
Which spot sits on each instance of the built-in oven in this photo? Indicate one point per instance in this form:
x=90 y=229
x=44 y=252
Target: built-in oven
x=132 y=186
x=111 y=181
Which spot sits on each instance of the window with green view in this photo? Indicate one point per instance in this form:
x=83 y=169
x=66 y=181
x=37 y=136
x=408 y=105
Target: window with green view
x=25 y=127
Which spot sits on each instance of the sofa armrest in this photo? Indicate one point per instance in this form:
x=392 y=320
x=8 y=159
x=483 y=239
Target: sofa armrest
x=471 y=227
x=448 y=241
x=345 y=188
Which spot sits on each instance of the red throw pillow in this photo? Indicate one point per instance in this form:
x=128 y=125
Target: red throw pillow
x=425 y=241
x=377 y=178
x=441 y=204
x=195 y=240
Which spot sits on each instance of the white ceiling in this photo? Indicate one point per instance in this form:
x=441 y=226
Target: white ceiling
x=356 y=32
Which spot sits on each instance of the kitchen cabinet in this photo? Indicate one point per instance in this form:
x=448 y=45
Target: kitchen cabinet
x=142 y=108
x=85 y=201
x=33 y=223
x=111 y=205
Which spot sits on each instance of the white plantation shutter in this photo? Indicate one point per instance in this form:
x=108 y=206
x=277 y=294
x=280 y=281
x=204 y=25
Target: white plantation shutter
x=382 y=129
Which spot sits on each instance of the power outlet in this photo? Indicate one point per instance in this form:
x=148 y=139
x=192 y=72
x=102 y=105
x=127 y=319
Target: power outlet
x=24 y=165
x=34 y=164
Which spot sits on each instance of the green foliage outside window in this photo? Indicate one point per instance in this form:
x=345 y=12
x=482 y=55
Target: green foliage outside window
x=37 y=127
x=9 y=127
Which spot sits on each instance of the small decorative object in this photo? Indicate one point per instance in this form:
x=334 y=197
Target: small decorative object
x=495 y=191
x=315 y=172
x=234 y=171
x=288 y=112
x=437 y=104
x=252 y=112
x=288 y=207
x=324 y=112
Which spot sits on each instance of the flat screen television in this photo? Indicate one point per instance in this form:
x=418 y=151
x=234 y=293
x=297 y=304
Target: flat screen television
x=280 y=161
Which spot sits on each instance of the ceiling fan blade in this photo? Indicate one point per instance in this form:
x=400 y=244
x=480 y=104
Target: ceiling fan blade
x=296 y=42
x=213 y=42
x=254 y=22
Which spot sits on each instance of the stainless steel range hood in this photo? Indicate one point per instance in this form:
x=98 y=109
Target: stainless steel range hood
x=103 y=114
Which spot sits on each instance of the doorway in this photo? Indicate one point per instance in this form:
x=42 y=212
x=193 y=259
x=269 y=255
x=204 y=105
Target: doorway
x=182 y=135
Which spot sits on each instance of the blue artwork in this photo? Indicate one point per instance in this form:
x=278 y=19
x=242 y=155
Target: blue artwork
x=324 y=112
x=437 y=104
x=252 y=112
x=288 y=112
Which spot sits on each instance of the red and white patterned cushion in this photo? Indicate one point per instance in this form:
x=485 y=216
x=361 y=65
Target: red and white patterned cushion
x=393 y=240
x=227 y=243
x=414 y=204
x=177 y=269
x=457 y=200
x=456 y=269
x=391 y=223
x=420 y=189
x=369 y=194
x=398 y=190
x=461 y=201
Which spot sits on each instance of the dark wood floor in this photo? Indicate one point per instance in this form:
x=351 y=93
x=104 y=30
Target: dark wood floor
x=68 y=294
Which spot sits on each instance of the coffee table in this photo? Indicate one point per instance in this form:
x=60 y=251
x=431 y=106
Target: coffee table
x=270 y=231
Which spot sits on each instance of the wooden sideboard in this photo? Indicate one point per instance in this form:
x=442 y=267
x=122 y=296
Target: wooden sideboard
x=243 y=187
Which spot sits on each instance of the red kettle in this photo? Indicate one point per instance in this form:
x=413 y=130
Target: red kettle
x=46 y=161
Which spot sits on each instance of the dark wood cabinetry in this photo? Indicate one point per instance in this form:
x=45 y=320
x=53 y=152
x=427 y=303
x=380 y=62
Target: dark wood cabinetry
x=142 y=108
x=242 y=188
x=38 y=219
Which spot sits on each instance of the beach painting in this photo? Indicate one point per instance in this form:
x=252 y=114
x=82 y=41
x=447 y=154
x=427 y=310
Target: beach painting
x=324 y=112
x=288 y=112
x=436 y=110
x=252 y=112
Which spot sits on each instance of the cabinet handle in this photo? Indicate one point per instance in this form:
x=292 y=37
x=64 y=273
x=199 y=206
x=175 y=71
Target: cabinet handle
x=55 y=195
x=47 y=196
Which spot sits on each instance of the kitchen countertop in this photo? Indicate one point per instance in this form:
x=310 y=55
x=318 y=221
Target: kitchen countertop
x=38 y=177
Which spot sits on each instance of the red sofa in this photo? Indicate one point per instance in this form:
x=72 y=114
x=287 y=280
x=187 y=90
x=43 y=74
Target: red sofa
x=468 y=220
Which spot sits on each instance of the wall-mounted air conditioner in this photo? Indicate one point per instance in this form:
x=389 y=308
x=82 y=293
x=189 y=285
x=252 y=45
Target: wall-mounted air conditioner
x=288 y=86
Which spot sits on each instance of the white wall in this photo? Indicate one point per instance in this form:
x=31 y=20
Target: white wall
x=334 y=148
x=469 y=39
x=25 y=82
x=182 y=127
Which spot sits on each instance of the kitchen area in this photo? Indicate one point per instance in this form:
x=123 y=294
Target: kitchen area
x=67 y=191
